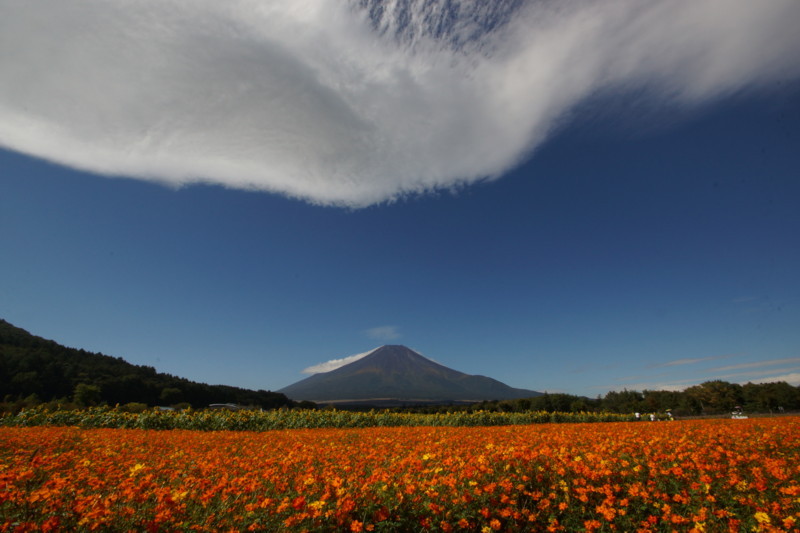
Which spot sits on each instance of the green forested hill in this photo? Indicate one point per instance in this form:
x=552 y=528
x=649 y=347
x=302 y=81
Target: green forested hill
x=31 y=365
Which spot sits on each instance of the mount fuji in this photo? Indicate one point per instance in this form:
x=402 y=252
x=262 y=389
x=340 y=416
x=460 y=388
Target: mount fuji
x=396 y=374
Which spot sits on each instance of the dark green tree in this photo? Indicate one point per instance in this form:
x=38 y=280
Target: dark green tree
x=716 y=396
x=171 y=395
x=770 y=397
x=86 y=395
x=626 y=401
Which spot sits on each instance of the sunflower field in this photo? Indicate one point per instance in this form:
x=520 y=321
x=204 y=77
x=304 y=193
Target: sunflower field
x=255 y=420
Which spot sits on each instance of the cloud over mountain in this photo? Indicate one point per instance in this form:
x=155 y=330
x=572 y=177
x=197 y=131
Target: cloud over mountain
x=354 y=103
x=383 y=333
x=333 y=364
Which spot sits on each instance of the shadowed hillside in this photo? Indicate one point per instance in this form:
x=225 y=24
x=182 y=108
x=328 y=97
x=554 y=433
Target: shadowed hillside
x=43 y=370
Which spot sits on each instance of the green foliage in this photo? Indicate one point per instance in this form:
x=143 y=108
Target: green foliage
x=86 y=395
x=134 y=407
x=170 y=395
x=624 y=402
x=770 y=397
x=716 y=396
x=254 y=420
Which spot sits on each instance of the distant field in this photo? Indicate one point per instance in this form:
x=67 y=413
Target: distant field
x=699 y=475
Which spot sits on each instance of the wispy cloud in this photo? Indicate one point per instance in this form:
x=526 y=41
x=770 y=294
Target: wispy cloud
x=757 y=364
x=353 y=103
x=333 y=364
x=644 y=384
x=678 y=385
x=759 y=376
x=678 y=379
x=692 y=361
x=383 y=333
x=792 y=378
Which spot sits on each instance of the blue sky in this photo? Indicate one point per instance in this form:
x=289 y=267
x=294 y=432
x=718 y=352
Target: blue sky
x=637 y=230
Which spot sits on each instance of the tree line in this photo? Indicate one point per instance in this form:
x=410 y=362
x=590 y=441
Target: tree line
x=710 y=398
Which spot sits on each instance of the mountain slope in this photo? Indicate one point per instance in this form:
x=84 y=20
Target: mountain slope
x=31 y=365
x=399 y=373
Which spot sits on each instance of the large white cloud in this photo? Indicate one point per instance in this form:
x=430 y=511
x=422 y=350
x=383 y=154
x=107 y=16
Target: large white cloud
x=357 y=103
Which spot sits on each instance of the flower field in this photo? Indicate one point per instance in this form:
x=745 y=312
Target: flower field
x=703 y=475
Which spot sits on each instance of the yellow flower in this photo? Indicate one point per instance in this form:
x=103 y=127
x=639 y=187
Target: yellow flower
x=762 y=517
